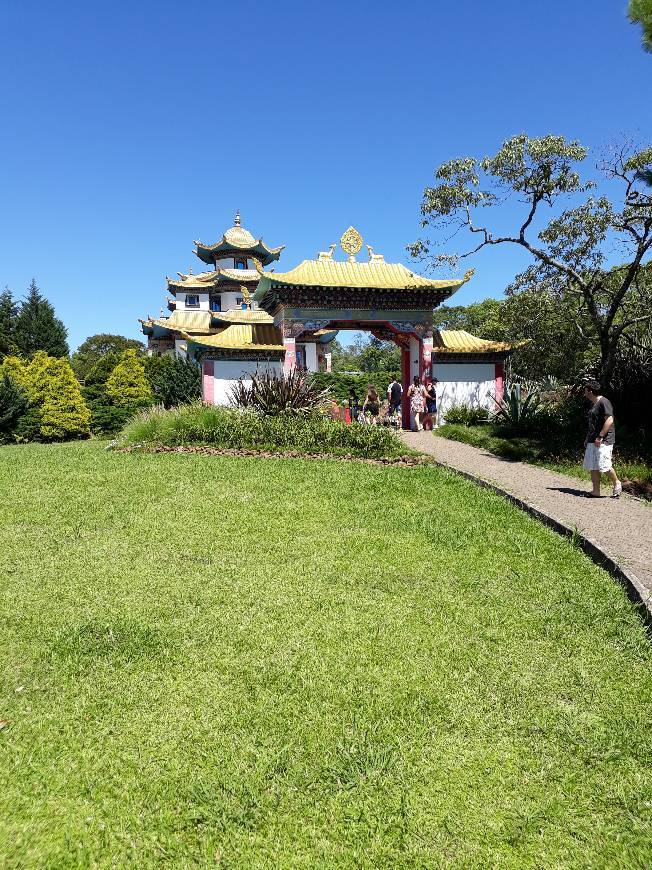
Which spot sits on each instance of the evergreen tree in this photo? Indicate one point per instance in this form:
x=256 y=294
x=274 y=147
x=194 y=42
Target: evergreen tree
x=37 y=328
x=64 y=413
x=8 y=309
x=174 y=381
x=13 y=404
x=127 y=384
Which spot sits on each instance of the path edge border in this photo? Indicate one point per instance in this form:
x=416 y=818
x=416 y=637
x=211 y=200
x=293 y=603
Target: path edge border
x=636 y=591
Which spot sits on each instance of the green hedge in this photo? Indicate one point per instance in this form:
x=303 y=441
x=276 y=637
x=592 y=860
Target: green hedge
x=340 y=385
x=230 y=428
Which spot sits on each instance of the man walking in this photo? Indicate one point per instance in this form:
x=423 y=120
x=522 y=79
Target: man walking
x=600 y=439
x=394 y=394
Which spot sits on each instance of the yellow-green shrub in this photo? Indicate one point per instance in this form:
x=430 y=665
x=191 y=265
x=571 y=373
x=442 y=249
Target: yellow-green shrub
x=127 y=384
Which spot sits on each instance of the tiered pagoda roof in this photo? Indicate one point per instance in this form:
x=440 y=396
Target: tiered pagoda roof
x=237 y=241
x=326 y=282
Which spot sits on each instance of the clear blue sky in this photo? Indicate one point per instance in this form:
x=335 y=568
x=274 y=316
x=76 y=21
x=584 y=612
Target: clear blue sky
x=130 y=129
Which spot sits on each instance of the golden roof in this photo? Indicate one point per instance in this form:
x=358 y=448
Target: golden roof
x=240 y=315
x=195 y=321
x=460 y=341
x=242 y=336
x=239 y=239
x=206 y=280
x=375 y=274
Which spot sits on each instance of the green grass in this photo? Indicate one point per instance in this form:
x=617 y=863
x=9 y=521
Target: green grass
x=266 y=663
x=230 y=428
x=538 y=452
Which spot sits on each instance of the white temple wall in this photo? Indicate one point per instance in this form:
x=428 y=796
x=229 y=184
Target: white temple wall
x=472 y=384
x=227 y=372
x=229 y=300
x=181 y=348
x=311 y=357
x=203 y=301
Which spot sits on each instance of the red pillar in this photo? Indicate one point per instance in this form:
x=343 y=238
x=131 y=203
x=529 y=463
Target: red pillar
x=500 y=380
x=405 y=378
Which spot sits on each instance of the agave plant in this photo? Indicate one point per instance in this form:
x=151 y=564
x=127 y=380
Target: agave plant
x=516 y=412
x=270 y=395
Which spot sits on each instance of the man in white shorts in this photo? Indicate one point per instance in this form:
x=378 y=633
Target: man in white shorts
x=600 y=439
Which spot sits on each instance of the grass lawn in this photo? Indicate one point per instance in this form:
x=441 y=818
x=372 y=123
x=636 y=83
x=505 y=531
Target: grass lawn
x=536 y=452
x=271 y=663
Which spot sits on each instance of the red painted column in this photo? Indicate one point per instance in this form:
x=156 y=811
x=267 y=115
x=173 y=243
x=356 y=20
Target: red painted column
x=500 y=380
x=405 y=378
x=208 y=381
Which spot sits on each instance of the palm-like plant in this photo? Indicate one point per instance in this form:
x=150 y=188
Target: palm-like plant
x=270 y=395
x=516 y=412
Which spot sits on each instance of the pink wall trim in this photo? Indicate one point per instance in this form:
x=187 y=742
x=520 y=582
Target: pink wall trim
x=500 y=380
x=208 y=381
x=290 y=360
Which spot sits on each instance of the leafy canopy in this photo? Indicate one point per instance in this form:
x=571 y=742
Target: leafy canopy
x=640 y=12
x=570 y=254
x=127 y=385
x=95 y=347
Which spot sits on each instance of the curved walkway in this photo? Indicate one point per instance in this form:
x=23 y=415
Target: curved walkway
x=621 y=528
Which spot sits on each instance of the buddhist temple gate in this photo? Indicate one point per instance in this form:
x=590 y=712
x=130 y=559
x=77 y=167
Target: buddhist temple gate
x=388 y=300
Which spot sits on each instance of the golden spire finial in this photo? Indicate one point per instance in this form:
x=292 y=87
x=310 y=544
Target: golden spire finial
x=237 y=218
x=351 y=243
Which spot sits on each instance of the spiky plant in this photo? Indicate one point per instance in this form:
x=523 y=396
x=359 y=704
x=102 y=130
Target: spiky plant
x=271 y=395
x=515 y=412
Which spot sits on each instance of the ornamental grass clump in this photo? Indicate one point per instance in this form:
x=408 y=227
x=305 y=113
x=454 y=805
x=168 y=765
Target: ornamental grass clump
x=234 y=429
x=268 y=394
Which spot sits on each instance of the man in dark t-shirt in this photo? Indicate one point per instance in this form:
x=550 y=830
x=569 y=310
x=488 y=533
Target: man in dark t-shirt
x=600 y=440
x=394 y=393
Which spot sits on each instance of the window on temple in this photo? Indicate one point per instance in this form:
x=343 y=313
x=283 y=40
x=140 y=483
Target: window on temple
x=239 y=302
x=216 y=303
x=192 y=300
x=241 y=264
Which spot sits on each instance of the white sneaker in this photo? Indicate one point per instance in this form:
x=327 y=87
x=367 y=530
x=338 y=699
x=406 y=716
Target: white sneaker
x=618 y=488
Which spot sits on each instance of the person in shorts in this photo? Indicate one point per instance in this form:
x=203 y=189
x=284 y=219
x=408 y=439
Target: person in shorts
x=600 y=439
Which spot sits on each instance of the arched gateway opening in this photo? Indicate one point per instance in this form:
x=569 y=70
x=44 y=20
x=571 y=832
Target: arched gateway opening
x=387 y=300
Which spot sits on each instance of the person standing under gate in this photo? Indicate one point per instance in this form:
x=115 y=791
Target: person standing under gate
x=416 y=394
x=431 y=403
x=394 y=396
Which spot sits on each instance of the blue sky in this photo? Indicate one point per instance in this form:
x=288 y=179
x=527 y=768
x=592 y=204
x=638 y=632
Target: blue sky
x=130 y=129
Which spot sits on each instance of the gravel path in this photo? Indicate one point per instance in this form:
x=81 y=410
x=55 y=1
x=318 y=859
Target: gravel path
x=621 y=527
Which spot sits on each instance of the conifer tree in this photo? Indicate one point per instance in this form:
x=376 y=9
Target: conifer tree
x=127 y=384
x=64 y=413
x=37 y=328
x=16 y=369
x=13 y=404
x=8 y=310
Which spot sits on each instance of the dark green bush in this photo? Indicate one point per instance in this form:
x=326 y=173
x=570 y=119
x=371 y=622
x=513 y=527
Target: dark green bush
x=174 y=381
x=340 y=385
x=234 y=429
x=464 y=415
x=13 y=405
x=28 y=427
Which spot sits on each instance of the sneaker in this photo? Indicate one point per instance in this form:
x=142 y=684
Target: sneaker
x=618 y=488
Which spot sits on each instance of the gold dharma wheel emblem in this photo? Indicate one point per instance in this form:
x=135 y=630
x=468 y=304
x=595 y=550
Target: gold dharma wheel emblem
x=351 y=241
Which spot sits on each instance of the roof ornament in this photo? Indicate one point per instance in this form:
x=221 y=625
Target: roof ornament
x=351 y=243
x=236 y=221
x=374 y=258
x=327 y=255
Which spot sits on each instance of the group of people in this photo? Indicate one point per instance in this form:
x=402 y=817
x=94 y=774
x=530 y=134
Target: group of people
x=422 y=398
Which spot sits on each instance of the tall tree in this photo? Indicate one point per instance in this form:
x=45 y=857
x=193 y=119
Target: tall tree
x=36 y=326
x=640 y=12
x=570 y=253
x=90 y=351
x=8 y=310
